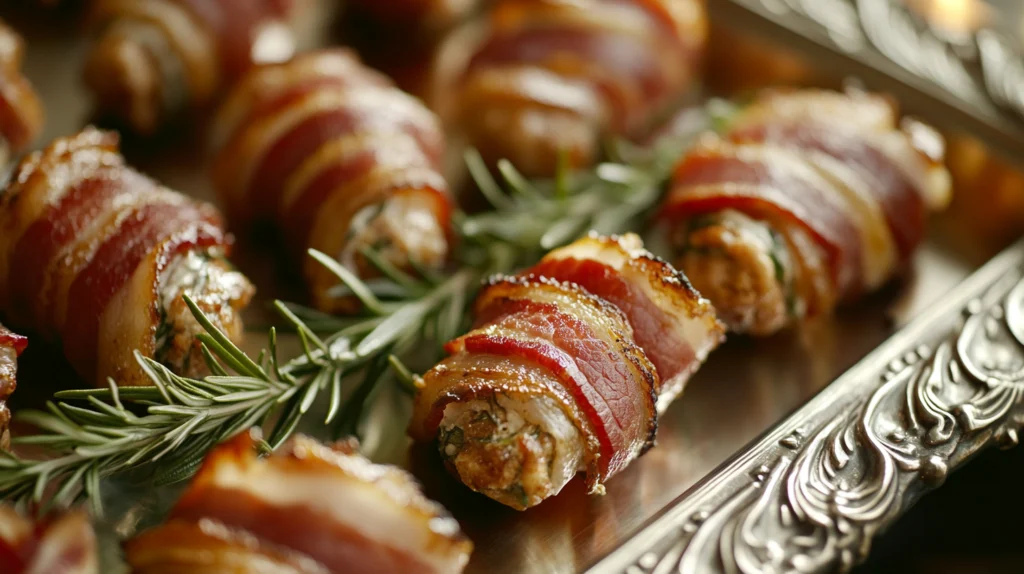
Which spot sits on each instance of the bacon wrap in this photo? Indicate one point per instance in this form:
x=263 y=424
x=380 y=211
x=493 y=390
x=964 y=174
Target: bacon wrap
x=540 y=77
x=771 y=186
x=11 y=345
x=85 y=242
x=311 y=143
x=64 y=544
x=673 y=324
x=21 y=112
x=306 y=508
x=833 y=167
x=153 y=58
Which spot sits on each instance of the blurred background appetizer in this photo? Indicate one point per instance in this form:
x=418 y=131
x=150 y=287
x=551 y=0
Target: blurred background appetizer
x=534 y=79
x=807 y=199
x=566 y=369
x=21 y=112
x=339 y=160
x=152 y=59
x=97 y=256
x=11 y=345
x=57 y=544
x=308 y=508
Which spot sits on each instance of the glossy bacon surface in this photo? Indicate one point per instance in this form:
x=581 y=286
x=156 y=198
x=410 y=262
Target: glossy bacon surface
x=561 y=371
x=339 y=159
x=807 y=199
x=537 y=78
x=11 y=345
x=96 y=255
x=154 y=58
x=62 y=544
x=307 y=508
x=21 y=112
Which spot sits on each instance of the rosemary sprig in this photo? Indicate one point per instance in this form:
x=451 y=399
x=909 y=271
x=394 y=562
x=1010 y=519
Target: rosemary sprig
x=169 y=427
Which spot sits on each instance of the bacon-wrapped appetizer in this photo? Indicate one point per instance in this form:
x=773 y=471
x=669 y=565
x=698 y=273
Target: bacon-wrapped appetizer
x=339 y=159
x=11 y=346
x=566 y=370
x=307 y=508
x=98 y=256
x=63 y=544
x=544 y=77
x=155 y=58
x=21 y=112
x=808 y=199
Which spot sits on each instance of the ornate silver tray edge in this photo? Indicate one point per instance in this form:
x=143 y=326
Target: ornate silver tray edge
x=814 y=491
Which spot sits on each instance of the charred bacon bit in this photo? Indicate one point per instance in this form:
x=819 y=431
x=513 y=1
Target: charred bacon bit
x=97 y=256
x=305 y=508
x=340 y=160
x=555 y=377
x=538 y=78
x=11 y=346
x=21 y=112
x=808 y=198
x=155 y=58
x=62 y=544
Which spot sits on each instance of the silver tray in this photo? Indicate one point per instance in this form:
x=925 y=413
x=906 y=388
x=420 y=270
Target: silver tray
x=785 y=454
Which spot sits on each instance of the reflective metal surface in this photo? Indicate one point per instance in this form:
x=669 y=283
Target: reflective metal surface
x=746 y=387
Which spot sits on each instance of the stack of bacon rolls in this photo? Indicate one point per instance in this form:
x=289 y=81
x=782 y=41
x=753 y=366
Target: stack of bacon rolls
x=57 y=544
x=566 y=369
x=155 y=58
x=538 y=79
x=809 y=198
x=307 y=508
x=97 y=256
x=340 y=160
x=21 y=112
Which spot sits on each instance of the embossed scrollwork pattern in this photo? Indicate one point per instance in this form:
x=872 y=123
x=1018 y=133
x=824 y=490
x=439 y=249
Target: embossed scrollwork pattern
x=981 y=68
x=829 y=489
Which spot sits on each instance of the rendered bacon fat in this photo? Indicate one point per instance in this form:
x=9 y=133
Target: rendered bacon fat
x=340 y=160
x=21 y=112
x=807 y=199
x=98 y=256
x=62 y=544
x=555 y=377
x=11 y=346
x=307 y=508
x=155 y=58
x=538 y=78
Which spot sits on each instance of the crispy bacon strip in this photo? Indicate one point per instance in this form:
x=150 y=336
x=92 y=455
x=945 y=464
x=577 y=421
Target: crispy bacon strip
x=307 y=508
x=63 y=544
x=98 y=256
x=807 y=199
x=673 y=324
x=556 y=375
x=21 y=112
x=155 y=58
x=11 y=345
x=537 y=78
x=339 y=159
